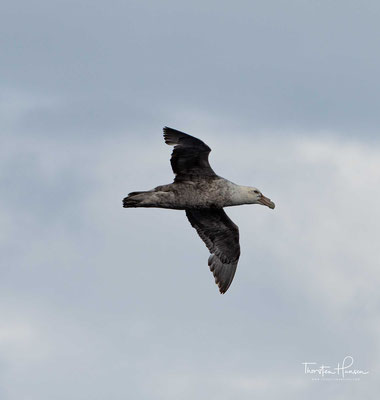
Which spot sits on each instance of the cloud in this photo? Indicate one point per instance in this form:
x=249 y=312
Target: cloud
x=103 y=302
x=253 y=65
x=95 y=284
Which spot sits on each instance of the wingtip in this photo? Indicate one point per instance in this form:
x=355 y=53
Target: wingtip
x=170 y=135
x=215 y=263
x=166 y=130
x=223 y=290
x=166 y=135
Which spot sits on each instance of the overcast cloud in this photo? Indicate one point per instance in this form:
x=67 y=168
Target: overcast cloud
x=99 y=302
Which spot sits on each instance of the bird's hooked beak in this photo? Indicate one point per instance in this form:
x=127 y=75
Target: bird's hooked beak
x=266 y=202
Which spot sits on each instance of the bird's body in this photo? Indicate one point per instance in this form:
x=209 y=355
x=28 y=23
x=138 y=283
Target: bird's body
x=203 y=194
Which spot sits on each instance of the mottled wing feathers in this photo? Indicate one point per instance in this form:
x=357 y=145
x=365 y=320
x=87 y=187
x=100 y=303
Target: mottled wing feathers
x=189 y=162
x=221 y=237
x=190 y=155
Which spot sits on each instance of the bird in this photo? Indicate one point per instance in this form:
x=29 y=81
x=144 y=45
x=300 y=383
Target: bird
x=203 y=194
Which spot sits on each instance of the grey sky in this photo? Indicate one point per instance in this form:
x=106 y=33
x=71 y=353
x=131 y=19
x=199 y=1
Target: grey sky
x=278 y=65
x=100 y=302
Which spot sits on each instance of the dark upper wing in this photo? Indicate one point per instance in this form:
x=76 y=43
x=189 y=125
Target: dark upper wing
x=190 y=155
x=221 y=237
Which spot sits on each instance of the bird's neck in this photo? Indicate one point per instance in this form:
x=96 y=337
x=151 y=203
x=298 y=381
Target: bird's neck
x=242 y=195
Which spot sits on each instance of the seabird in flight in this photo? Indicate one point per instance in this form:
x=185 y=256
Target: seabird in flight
x=202 y=194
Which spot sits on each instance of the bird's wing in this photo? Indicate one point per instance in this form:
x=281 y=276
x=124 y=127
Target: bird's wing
x=190 y=155
x=221 y=237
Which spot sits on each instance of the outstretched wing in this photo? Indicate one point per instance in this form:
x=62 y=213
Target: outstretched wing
x=221 y=237
x=190 y=155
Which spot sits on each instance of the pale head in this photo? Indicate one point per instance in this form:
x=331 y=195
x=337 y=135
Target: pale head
x=256 y=197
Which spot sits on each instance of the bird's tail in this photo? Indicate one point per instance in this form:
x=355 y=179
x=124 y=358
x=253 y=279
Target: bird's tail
x=134 y=199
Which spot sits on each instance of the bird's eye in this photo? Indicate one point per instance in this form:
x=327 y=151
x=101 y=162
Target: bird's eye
x=256 y=191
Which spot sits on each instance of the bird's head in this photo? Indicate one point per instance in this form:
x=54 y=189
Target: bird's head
x=256 y=197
